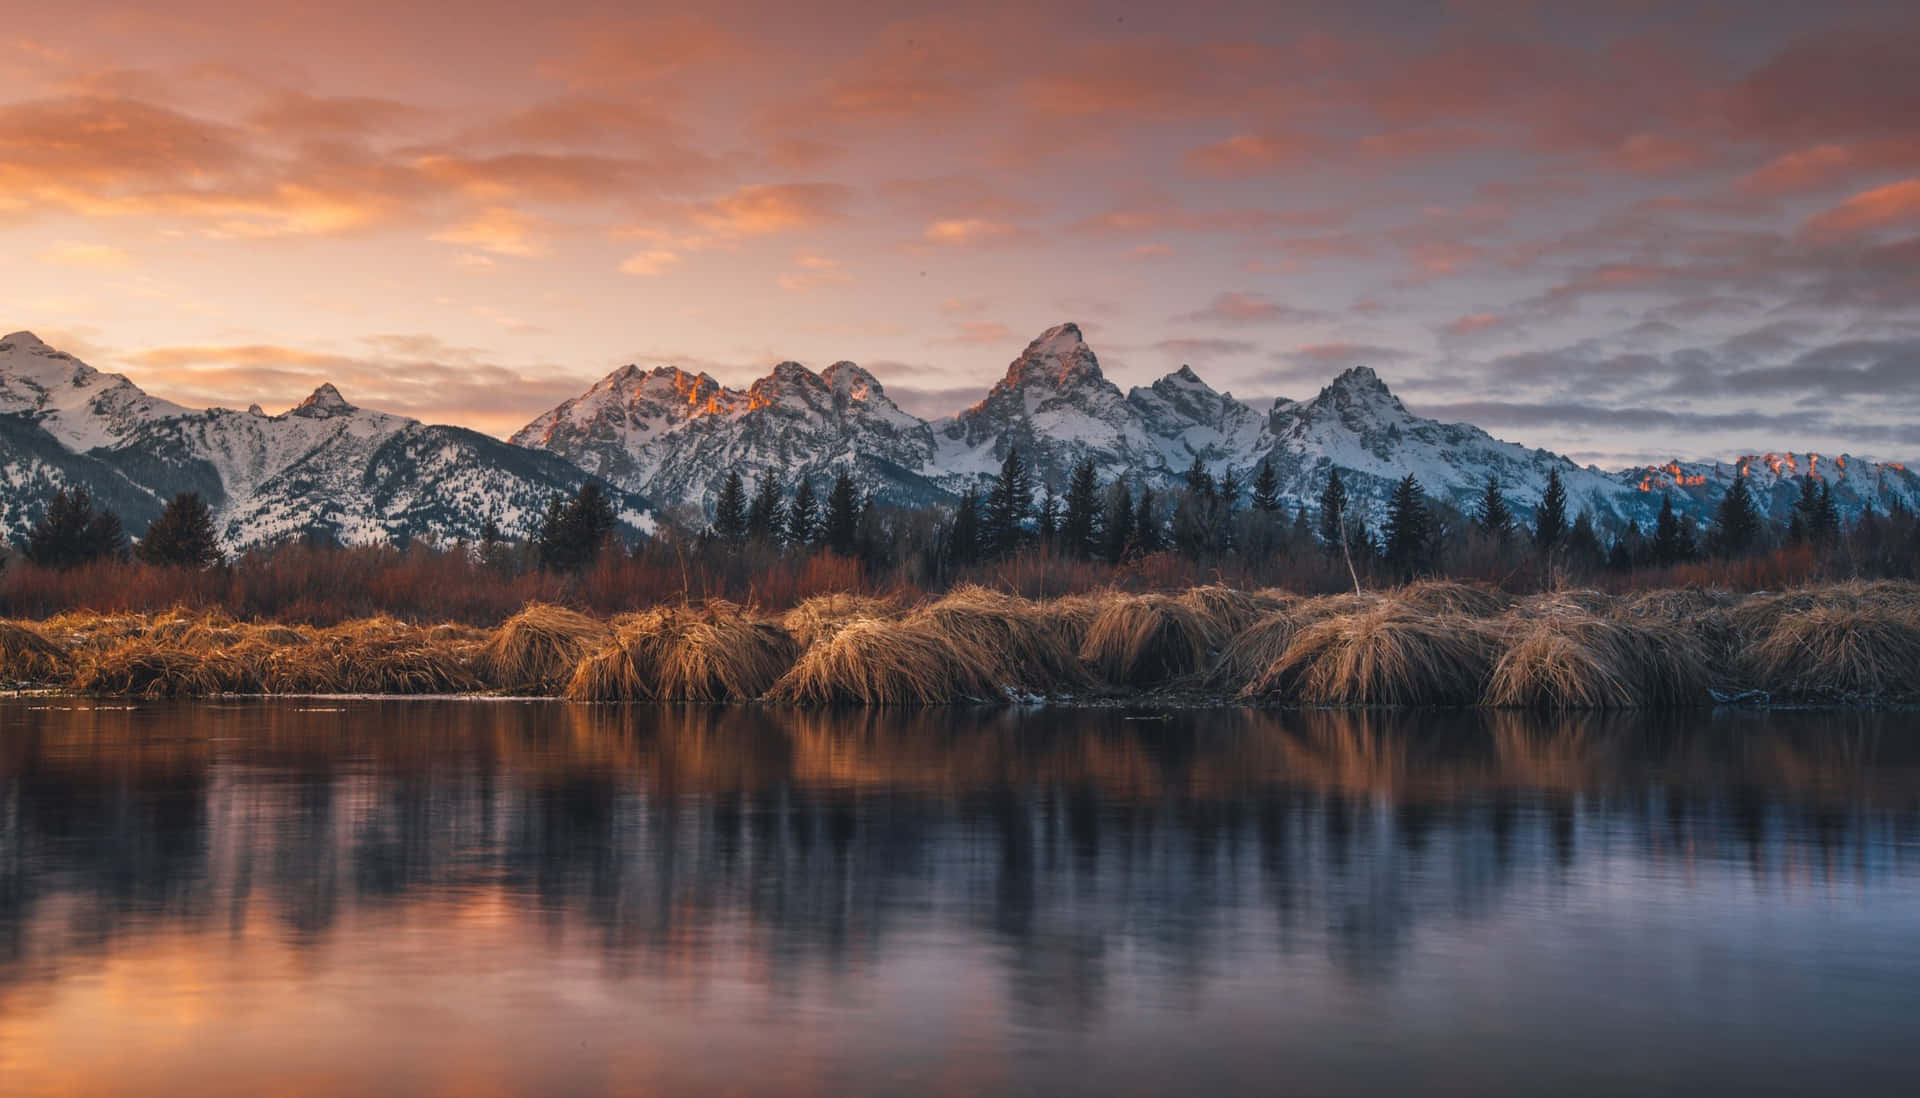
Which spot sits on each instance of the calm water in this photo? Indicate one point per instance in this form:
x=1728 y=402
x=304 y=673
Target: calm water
x=447 y=898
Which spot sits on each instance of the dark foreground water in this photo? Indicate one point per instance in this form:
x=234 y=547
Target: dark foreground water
x=474 y=898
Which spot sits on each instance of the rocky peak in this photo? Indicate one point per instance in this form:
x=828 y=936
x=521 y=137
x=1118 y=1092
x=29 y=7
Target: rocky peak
x=24 y=355
x=324 y=402
x=1058 y=359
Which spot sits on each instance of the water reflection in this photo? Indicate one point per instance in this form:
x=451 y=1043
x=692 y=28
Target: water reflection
x=1088 y=877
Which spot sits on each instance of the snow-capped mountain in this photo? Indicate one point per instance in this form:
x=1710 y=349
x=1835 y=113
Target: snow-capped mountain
x=1774 y=480
x=324 y=467
x=680 y=433
x=671 y=437
x=674 y=436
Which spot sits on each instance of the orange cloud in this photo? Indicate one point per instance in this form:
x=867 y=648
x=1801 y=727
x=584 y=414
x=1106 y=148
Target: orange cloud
x=969 y=230
x=767 y=208
x=500 y=230
x=1247 y=154
x=98 y=257
x=649 y=263
x=1868 y=211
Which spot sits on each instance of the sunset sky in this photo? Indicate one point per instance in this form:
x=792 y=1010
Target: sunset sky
x=1625 y=230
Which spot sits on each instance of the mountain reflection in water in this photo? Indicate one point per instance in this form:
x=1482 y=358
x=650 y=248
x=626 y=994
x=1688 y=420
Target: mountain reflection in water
x=539 y=898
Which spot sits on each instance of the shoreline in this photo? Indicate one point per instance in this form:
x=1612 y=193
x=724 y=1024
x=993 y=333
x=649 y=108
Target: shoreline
x=1427 y=645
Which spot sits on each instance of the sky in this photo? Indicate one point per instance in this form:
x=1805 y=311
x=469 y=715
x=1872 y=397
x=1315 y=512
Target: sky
x=1625 y=231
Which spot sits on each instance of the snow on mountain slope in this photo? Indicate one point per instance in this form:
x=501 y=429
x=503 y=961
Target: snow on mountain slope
x=674 y=436
x=70 y=400
x=1357 y=425
x=323 y=468
x=1774 y=479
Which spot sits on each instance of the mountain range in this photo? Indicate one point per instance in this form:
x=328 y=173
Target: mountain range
x=662 y=441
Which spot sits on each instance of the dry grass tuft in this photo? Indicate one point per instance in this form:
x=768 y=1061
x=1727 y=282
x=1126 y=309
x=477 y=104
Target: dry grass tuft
x=1018 y=639
x=1072 y=615
x=715 y=654
x=1227 y=610
x=1837 y=652
x=1585 y=661
x=878 y=662
x=1253 y=650
x=145 y=668
x=1566 y=601
x=1473 y=600
x=1147 y=640
x=1384 y=656
x=28 y=657
x=536 y=650
x=822 y=615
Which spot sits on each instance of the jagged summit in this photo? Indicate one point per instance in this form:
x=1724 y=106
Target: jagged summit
x=1059 y=358
x=323 y=402
x=324 y=467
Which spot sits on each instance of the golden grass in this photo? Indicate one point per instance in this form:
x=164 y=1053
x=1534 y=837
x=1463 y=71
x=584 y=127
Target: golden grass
x=822 y=615
x=1578 y=660
x=1072 y=615
x=1020 y=640
x=1147 y=640
x=873 y=661
x=1227 y=610
x=1384 y=656
x=28 y=657
x=712 y=654
x=1474 y=600
x=1837 y=652
x=1253 y=650
x=536 y=650
x=142 y=668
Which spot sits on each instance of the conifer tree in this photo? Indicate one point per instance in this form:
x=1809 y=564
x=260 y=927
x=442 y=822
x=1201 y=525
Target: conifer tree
x=766 y=516
x=1005 y=513
x=1118 y=524
x=1266 y=489
x=183 y=535
x=1408 y=528
x=1672 y=543
x=803 y=518
x=730 y=512
x=1302 y=535
x=1046 y=520
x=1199 y=481
x=1583 y=543
x=72 y=533
x=1080 y=522
x=1493 y=516
x=1825 y=527
x=1736 y=525
x=1147 y=533
x=1550 y=521
x=574 y=531
x=963 y=541
x=840 y=529
x=1333 y=512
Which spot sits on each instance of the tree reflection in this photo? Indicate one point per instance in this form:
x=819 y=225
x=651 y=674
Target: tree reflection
x=815 y=842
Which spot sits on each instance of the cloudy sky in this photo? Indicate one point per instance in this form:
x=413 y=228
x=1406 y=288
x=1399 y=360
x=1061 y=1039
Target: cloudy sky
x=1624 y=230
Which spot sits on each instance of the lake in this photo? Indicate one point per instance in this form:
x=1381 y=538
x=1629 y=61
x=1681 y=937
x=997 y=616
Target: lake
x=530 y=898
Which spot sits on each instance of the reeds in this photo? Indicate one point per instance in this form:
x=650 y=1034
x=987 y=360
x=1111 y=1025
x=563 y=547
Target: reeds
x=1577 y=660
x=1147 y=640
x=1843 y=653
x=1228 y=610
x=1384 y=656
x=1425 y=644
x=1017 y=638
x=536 y=650
x=879 y=662
x=822 y=615
x=1474 y=600
x=715 y=653
x=28 y=657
